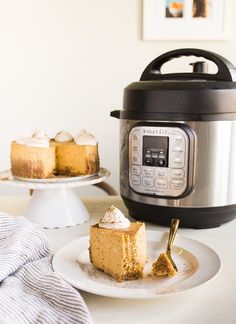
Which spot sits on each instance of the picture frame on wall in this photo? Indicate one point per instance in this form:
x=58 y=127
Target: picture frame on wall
x=184 y=20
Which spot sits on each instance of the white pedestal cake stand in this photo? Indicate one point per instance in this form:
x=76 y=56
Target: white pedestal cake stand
x=54 y=203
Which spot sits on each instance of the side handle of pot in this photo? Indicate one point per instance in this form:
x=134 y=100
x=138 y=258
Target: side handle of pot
x=115 y=114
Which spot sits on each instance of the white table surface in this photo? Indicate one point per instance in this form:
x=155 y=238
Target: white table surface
x=214 y=302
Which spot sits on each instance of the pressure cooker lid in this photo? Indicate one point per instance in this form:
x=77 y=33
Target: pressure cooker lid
x=182 y=96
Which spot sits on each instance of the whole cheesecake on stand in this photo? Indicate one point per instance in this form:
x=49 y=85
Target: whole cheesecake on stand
x=38 y=157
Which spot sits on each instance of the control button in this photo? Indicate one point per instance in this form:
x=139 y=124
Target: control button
x=176 y=184
x=161 y=173
x=135 y=136
x=177 y=173
x=161 y=162
x=155 y=155
x=178 y=149
x=148 y=161
x=148 y=182
x=161 y=183
x=148 y=172
x=179 y=143
x=135 y=159
x=135 y=169
x=136 y=180
x=135 y=148
x=178 y=162
x=179 y=138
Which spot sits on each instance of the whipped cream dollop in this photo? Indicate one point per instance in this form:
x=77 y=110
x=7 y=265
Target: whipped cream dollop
x=63 y=136
x=37 y=139
x=85 y=138
x=114 y=219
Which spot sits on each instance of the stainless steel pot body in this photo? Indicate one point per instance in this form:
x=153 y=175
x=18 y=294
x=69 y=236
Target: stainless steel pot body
x=213 y=168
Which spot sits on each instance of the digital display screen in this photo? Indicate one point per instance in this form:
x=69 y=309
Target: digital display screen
x=156 y=142
x=155 y=151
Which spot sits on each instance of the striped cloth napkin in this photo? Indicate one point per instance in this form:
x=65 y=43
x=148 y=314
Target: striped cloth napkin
x=30 y=292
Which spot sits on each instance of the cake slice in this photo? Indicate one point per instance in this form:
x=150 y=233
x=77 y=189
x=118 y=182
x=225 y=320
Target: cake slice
x=78 y=156
x=33 y=157
x=117 y=246
x=163 y=267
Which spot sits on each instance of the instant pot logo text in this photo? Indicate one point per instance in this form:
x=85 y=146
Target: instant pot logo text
x=154 y=131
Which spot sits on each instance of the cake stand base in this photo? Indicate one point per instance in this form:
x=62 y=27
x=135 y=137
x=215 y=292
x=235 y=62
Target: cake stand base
x=55 y=203
x=66 y=209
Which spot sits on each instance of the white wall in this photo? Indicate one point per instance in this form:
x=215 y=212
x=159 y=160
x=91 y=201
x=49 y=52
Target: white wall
x=64 y=64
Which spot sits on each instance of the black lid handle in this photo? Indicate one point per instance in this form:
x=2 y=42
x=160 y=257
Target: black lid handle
x=226 y=70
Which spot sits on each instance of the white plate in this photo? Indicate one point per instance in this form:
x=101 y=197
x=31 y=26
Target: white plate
x=197 y=264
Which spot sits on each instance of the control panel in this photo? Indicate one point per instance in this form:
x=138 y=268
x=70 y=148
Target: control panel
x=159 y=160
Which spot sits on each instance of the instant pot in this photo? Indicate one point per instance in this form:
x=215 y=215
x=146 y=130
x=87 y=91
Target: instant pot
x=178 y=143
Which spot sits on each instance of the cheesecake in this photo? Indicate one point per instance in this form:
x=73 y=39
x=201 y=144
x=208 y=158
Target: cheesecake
x=78 y=156
x=33 y=157
x=163 y=267
x=118 y=246
x=38 y=157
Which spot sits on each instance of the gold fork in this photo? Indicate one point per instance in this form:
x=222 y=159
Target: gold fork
x=172 y=233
